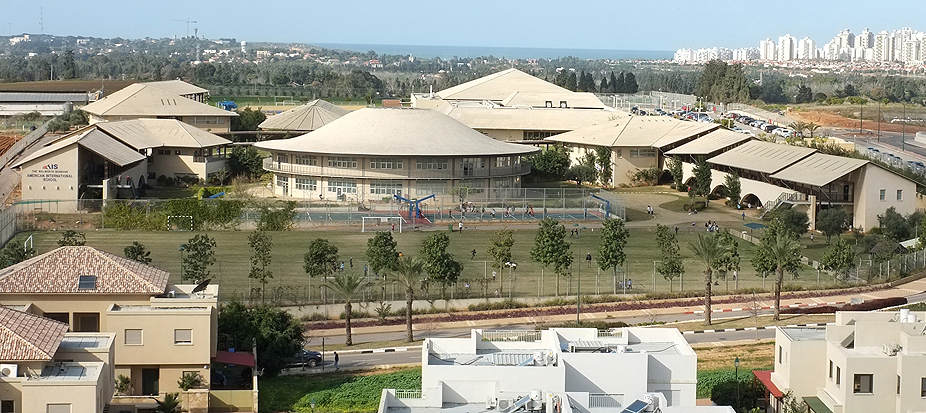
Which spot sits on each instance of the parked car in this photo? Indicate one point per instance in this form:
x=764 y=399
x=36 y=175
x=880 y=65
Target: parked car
x=769 y=127
x=305 y=358
x=783 y=132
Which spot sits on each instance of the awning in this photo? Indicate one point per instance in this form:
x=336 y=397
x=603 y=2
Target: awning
x=240 y=359
x=817 y=405
x=765 y=376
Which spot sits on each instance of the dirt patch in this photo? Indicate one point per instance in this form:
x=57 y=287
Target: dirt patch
x=712 y=356
x=833 y=120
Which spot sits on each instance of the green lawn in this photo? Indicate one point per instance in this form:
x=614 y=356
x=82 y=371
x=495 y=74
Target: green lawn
x=335 y=392
x=290 y=284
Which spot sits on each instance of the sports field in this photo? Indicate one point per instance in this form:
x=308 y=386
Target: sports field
x=291 y=285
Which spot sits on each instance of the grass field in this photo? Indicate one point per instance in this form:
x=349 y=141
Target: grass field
x=529 y=280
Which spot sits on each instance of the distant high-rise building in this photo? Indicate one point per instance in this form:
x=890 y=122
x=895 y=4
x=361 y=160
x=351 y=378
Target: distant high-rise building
x=244 y=47
x=767 y=50
x=883 y=49
x=806 y=49
x=786 y=50
x=865 y=40
x=910 y=51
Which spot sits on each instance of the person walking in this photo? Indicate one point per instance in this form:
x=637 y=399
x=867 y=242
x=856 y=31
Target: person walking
x=474 y=254
x=336 y=360
x=588 y=259
x=461 y=227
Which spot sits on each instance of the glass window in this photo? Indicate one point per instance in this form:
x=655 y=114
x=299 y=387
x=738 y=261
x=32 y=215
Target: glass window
x=862 y=383
x=838 y=375
x=342 y=187
x=883 y=194
x=642 y=153
x=306 y=184
x=306 y=160
x=7 y=406
x=831 y=368
x=386 y=163
x=477 y=163
x=900 y=194
x=431 y=163
x=183 y=336
x=898 y=384
x=386 y=188
x=282 y=180
x=503 y=162
x=86 y=282
x=534 y=135
x=342 y=162
x=779 y=354
x=133 y=336
x=923 y=387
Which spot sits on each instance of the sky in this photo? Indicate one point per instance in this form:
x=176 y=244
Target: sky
x=578 y=24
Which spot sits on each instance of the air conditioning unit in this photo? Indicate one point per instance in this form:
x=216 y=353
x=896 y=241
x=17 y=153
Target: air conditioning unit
x=503 y=404
x=8 y=370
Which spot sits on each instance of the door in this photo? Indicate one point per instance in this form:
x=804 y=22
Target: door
x=149 y=381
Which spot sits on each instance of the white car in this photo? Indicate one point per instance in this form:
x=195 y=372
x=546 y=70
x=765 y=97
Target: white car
x=783 y=132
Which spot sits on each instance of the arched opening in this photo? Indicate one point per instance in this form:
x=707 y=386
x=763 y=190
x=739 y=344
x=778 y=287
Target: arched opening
x=719 y=192
x=666 y=178
x=751 y=201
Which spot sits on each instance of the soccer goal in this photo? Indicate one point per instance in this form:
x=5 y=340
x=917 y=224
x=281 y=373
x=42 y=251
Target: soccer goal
x=381 y=224
x=179 y=222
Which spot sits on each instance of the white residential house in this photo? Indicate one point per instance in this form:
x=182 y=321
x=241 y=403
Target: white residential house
x=865 y=362
x=555 y=370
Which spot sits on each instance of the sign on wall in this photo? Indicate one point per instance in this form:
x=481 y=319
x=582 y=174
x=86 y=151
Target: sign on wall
x=49 y=173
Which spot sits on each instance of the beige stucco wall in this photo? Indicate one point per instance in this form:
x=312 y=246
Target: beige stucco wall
x=158 y=346
x=183 y=164
x=802 y=369
x=73 y=303
x=213 y=128
x=53 y=176
x=624 y=164
x=868 y=203
x=82 y=395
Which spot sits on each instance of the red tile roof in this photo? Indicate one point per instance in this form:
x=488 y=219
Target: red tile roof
x=765 y=376
x=58 y=272
x=28 y=337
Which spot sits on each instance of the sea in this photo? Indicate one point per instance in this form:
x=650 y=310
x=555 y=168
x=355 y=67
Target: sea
x=448 y=52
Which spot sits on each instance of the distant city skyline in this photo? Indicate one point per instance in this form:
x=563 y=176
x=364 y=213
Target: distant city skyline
x=665 y=25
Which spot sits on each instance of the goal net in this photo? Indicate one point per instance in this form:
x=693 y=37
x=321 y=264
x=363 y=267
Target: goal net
x=382 y=224
x=179 y=222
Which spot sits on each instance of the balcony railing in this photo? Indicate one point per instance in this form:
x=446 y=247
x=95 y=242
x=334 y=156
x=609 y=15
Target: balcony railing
x=311 y=170
x=605 y=400
x=511 y=335
x=408 y=394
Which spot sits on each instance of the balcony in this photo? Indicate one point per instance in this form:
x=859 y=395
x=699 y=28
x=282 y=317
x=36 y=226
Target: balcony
x=322 y=171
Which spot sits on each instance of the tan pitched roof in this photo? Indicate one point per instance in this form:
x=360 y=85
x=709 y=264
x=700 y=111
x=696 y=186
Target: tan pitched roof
x=178 y=87
x=396 y=132
x=156 y=133
x=761 y=156
x=819 y=169
x=635 y=131
x=306 y=118
x=28 y=337
x=483 y=117
x=499 y=86
x=712 y=142
x=143 y=100
x=572 y=99
x=94 y=141
x=58 y=272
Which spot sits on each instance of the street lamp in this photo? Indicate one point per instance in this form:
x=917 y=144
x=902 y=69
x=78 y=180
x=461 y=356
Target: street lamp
x=182 y=248
x=736 y=374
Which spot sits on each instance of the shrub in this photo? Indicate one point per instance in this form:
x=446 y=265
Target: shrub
x=355 y=315
x=875 y=304
x=508 y=304
x=696 y=205
x=190 y=380
x=123 y=386
x=729 y=390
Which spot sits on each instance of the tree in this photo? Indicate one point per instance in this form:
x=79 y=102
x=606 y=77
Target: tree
x=321 y=258
x=199 y=257
x=711 y=77
x=783 y=252
x=137 y=252
x=571 y=82
x=581 y=173
x=793 y=221
x=630 y=83
x=347 y=285
x=69 y=71
x=603 y=86
x=840 y=258
x=190 y=380
x=552 y=162
x=832 y=221
x=605 y=168
x=674 y=165
x=702 y=177
x=261 y=243
x=408 y=271
x=438 y=263
x=734 y=188
x=248 y=119
x=277 y=334
x=14 y=254
x=711 y=251
x=811 y=128
x=615 y=84
x=170 y=404
x=614 y=236
x=245 y=161
x=71 y=238
x=500 y=247
x=671 y=265
x=551 y=249
x=804 y=94
x=729 y=262
x=381 y=252
x=893 y=225
x=583 y=84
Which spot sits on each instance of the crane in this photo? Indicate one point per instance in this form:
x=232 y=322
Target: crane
x=187 y=21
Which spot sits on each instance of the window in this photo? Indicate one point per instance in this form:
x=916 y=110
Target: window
x=831 y=368
x=883 y=194
x=6 y=406
x=386 y=164
x=780 y=350
x=57 y=408
x=386 y=188
x=862 y=383
x=898 y=384
x=183 y=336
x=86 y=282
x=342 y=187
x=900 y=194
x=923 y=387
x=643 y=153
x=306 y=160
x=306 y=184
x=133 y=337
x=619 y=154
x=342 y=162
x=432 y=163
x=536 y=135
x=178 y=152
x=503 y=162
x=282 y=180
x=838 y=375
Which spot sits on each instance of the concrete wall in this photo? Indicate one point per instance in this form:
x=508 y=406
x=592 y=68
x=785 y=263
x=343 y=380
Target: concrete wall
x=158 y=346
x=624 y=164
x=868 y=203
x=182 y=164
x=803 y=368
x=81 y=395
x=53 y=176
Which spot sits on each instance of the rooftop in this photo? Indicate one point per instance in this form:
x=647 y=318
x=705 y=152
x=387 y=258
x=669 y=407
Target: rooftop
x=396 y=132
x=761 y=156
x=710 y=143
x=92 y=140
x=70 y=371
x=819 y=169
x=804 y=334
x=499 y=86
x=178 y=87
x=82 y=270
x=28 y=337
x=85 y=340
x=305 y=118
x=145 y=100
x=486 y=116
x=636 y=131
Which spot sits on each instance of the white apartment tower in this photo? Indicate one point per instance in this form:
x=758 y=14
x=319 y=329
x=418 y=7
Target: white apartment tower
x=786 y=49
x=806 y=49
x=883 y=47
x=767 y=50
x=865 y=40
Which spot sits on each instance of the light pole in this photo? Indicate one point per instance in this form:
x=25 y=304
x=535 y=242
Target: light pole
x=736 y=374
x=578 y=295
x=182 y=248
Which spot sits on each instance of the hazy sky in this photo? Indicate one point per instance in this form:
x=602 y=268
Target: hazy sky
x=616 y=24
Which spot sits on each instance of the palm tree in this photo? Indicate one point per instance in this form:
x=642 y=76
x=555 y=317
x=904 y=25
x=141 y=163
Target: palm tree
x=171 y=404
x=798 y=127
x=710 y=250
x=347 y=285
x=781 y=251
x=408 y=271
x=811 y=127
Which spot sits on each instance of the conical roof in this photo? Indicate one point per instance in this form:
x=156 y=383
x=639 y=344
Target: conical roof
x=305 y=118
x=396 y=132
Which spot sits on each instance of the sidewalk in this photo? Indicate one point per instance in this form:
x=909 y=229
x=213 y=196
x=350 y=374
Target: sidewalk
x=589 y=313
